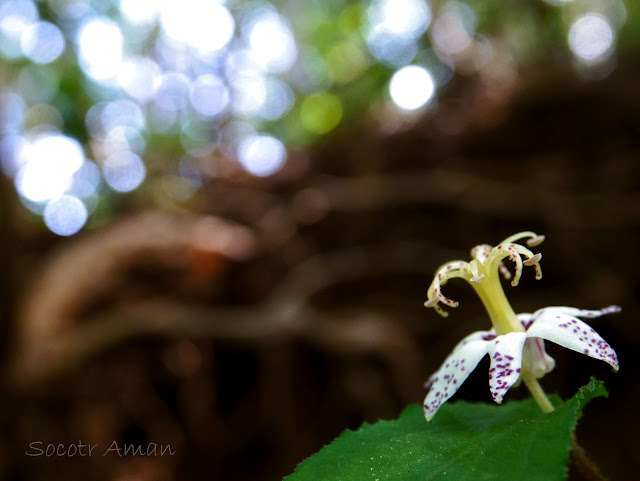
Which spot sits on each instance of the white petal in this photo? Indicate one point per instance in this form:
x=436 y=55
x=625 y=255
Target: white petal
x=506 y=361
x=573 y=311
x=526 y=319
x=455 y=370
x=555 y=325
x=536 y=359
x=489 y=335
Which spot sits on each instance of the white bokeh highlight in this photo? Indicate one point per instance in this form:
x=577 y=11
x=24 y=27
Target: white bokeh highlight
x=140 y=12
x=85 y=181
x=393 y=29
x=391 y=49
x=140 y=78
x=249 y=94
x=261 y=155
x=123 y=171
x=271 y=42
x=591 y=37
x=403 y=18
x=16 y=16
x=42 y=42
x=65 y=215
x=278 y=100
x=411 y=87
x=204 y=25
x=48 y=165
x=100 y=44
x=209 y=95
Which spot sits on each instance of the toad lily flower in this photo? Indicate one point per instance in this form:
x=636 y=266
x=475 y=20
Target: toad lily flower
x=516 y=342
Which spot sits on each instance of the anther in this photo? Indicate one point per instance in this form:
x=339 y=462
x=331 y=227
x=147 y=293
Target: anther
x=431 y=302
x=534 y=241
x=533 y=260
x=504 y=271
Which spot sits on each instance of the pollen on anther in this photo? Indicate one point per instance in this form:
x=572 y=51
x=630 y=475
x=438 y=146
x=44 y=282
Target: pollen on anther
x=534 y=241
x=431 y=302
x=533 y=260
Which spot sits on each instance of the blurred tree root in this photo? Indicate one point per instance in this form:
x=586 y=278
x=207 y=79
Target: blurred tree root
x=52 y=338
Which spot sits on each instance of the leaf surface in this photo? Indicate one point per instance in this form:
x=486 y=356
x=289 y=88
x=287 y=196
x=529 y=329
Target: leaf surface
x=464 y=441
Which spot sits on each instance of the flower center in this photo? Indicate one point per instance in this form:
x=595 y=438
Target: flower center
x=483 y=273
x=491 y=293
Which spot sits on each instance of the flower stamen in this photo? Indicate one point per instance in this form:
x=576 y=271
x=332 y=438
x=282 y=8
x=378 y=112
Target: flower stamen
x=535 y=241
x=506 y=273
x=480 y=273
x=450 y=270
x=533 y=260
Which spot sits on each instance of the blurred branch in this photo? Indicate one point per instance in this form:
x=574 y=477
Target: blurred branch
x=55 y=336
x=86 y=266
x=363 y=333
x=48 y=355
x=482 y=195
x=332 y=268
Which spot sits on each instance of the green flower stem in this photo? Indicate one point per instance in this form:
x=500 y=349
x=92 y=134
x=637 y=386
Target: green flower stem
x=500 y=312
x=536 y=390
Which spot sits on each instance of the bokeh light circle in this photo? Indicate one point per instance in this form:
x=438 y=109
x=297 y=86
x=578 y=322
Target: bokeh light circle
x=100 y=43
x=48 y=164
x=272 y=42
x=208 y=95
x=204 y=25
x=42 y=42
x=261 y=155
x=65 y=215
x=402 y=18
x=140 y=78
x=591 y=37
x=124 y=171
x=411 y=87
x=321 y=112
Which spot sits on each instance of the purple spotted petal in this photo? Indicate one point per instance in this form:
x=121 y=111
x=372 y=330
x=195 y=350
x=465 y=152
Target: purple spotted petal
x=455 y=370
x=506 y=362
x=555 y=325
x=526 y=319
x=474 y=336
x=536 y=359
x=573 y=311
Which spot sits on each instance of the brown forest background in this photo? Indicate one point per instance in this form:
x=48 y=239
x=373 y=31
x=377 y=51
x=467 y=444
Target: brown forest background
x=252 y=330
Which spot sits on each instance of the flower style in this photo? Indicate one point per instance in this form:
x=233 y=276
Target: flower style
x=516 y=342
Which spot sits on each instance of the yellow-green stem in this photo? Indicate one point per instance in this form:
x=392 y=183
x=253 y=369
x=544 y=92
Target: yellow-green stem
x=502 y=316
x=536 y=390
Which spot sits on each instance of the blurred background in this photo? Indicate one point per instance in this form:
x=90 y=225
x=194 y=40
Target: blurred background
x=219 y=219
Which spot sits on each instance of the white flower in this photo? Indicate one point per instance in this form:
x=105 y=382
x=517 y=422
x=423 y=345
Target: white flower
x=516 y=342
x=556 y=324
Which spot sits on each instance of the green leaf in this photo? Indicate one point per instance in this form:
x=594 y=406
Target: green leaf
x=463 y=442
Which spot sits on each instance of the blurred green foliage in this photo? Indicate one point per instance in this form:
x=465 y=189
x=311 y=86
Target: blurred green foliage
x=209 y=80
